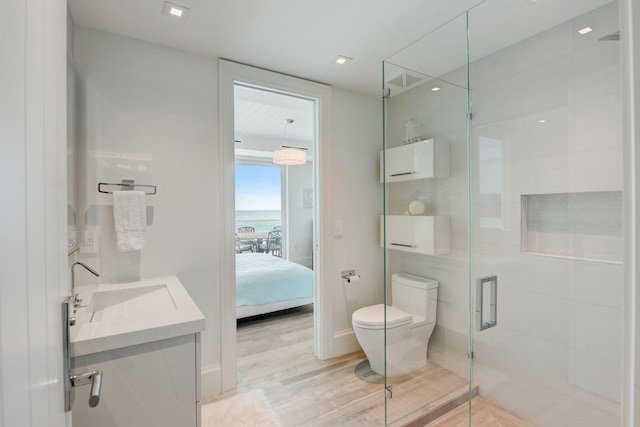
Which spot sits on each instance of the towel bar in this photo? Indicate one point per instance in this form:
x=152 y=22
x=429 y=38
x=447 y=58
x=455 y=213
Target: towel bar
x=127 y=183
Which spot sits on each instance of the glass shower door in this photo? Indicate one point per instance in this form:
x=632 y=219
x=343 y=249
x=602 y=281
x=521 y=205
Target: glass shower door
x=424 y=227
x=546 y=205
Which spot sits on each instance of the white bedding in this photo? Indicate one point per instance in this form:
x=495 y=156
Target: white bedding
x=266 y=283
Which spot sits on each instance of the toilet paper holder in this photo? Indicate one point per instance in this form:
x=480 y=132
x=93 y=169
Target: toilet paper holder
x=350 y=275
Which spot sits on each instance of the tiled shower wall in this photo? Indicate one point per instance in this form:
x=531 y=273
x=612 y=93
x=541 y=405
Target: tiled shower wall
x=546 y=120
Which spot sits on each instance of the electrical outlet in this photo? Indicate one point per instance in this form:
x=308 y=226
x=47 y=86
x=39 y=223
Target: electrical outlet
x=72 y=241
x=89 y=242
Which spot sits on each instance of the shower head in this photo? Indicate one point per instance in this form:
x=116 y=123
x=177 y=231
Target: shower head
x=611 y=37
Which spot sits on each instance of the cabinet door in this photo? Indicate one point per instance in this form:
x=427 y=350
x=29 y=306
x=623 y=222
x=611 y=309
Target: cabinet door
x=401 y=163
x=423 y=159
x=400 y=232
x=151 y=384
x=420 y=234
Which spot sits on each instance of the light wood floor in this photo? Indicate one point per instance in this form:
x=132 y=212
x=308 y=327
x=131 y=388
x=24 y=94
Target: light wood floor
x=483 y=414
x=275 y=355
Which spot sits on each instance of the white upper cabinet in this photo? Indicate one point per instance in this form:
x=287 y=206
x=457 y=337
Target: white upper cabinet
x=419 y=160
x=419 y=234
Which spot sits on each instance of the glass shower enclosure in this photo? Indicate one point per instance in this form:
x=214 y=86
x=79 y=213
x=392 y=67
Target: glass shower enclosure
x=503 y=174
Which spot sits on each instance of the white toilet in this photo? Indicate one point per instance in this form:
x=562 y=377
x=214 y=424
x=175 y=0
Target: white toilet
x=410 y=322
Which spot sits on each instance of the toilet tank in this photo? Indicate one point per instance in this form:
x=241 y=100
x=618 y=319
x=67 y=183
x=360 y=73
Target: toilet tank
x=415 y=295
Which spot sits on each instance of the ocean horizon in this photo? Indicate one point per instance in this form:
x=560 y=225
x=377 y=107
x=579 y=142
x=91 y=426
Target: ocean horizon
x=261 y=220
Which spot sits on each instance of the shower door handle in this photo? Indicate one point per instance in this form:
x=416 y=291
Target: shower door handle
x=488 y=306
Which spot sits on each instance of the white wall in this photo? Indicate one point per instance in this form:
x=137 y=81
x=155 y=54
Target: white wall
x=299 y=229
x=555 y=357
x=151 y=114
x=357 y=203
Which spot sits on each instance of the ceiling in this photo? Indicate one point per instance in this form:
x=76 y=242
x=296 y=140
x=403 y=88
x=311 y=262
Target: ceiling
x=303 y=39
x=266 y=120
x=300 y=38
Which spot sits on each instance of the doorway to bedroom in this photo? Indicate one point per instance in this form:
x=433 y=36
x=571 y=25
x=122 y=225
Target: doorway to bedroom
x=319 y=160
x=274 y=135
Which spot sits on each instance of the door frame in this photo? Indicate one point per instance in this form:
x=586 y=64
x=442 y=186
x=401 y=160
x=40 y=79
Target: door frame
x=630 y=56
x=230 y=73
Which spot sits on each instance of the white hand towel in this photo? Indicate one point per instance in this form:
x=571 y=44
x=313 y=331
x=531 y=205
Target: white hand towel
x=130 y=219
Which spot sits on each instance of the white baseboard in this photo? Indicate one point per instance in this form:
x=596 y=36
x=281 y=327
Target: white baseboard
x=211 y=381
x=344 y=342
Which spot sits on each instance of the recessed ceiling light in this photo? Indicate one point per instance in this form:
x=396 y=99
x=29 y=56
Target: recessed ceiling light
x=542 y=121
x=585 y=30
x=435 y=88
x=175 y=10
x=341 y=59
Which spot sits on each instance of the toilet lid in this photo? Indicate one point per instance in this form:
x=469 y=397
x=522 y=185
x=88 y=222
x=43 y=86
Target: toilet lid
x=374 y=316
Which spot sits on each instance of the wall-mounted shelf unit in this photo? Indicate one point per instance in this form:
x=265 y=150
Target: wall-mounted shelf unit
x=420 y=234
x=419 y=160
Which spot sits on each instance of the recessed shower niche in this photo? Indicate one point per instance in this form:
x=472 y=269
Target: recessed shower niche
x=585 y=226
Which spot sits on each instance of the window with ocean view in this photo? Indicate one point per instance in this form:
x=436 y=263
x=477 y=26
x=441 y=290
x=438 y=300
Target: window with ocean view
x=258 y=196
x=259 y=220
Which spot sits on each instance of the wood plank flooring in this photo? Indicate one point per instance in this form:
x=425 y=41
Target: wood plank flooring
x=275 y=355
x=483 y=414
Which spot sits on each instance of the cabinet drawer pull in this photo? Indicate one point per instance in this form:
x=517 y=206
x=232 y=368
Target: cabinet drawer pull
x=403 y=245
x=403 y=173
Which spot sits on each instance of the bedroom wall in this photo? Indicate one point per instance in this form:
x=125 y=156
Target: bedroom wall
x=299 y=228
x=150 y=113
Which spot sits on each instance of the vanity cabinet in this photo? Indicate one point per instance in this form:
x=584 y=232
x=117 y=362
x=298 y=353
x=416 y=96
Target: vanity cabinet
x=419 y=234
x=145 y=338
x=151 y=384
x=419 y=160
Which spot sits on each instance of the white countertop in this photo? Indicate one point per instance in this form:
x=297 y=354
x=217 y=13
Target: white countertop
x=125 y=314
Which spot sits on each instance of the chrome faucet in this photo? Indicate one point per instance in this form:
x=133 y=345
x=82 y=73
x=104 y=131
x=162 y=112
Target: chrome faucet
x=76 y=300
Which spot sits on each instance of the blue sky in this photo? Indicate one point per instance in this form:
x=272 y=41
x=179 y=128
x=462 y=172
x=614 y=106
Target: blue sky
x=257 y=187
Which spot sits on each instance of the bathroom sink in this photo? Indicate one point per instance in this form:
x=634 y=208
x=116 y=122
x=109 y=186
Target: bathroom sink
x=125 y=314
x=129 y=303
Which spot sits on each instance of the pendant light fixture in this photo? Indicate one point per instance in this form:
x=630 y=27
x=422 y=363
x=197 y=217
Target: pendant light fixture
x=289 y=156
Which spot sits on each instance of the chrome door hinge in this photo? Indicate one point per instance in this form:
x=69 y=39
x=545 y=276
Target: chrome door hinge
x=388 y=392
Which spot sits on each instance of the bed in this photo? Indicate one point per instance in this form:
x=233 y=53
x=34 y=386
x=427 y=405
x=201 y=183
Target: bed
x=267 y=283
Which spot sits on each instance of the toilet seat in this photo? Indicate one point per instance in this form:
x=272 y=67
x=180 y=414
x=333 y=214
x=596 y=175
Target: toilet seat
x=373 y=317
